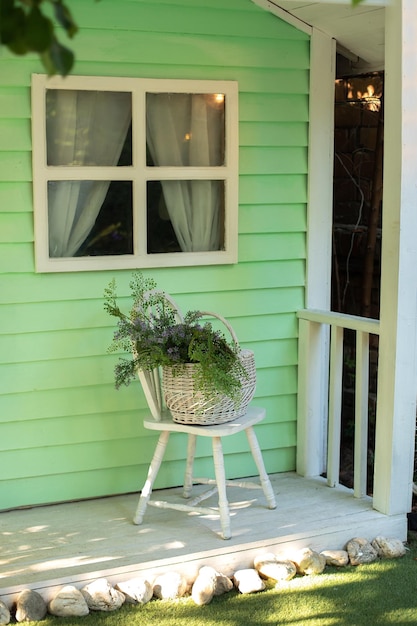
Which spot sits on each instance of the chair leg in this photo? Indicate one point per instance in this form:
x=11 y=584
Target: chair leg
x=152 y=474
x=221 y=486
x=263 y=476
x=188 y=479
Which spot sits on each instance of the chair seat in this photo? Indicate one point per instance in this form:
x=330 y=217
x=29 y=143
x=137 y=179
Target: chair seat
x=166 y=426
x=253 y=415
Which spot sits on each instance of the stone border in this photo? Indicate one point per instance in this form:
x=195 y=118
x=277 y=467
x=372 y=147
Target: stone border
x=268 y=568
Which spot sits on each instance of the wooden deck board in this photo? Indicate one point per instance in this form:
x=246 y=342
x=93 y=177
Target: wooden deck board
x=46 y=547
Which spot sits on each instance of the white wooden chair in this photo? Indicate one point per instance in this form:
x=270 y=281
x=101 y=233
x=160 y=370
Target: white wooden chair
x=161 y=420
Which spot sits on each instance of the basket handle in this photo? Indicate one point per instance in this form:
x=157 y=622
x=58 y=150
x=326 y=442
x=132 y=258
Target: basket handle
x=225 y=322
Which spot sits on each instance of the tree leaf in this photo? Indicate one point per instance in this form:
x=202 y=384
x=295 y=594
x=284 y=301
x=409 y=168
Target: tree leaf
x=64 y=17
x=12 y=27
x=57 y=59
x=38 y=31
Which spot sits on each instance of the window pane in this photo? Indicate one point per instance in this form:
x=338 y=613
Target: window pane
x=90 y=218
x=88 y=128
x=185 y=215
x=185 y=129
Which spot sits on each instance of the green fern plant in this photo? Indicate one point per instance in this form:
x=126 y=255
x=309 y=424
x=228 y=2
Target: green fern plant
x=154 y=337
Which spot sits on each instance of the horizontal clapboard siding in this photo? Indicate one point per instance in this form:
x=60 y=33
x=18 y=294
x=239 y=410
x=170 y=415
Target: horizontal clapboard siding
x=65 y=433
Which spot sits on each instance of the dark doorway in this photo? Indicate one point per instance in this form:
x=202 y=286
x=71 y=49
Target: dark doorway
x=357 y=236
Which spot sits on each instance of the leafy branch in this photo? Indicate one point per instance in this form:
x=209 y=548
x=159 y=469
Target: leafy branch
x=24 y=28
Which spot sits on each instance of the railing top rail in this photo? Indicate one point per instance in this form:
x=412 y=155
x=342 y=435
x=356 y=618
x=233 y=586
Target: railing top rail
x=343 y=320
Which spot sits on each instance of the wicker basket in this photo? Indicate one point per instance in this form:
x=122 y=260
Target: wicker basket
x=189 y=406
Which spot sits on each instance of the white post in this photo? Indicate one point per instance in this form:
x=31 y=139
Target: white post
x=313 y=399
x=312 y=405
x=397 y=373
x=361 y=414
x=320 y=168
x=335 y=405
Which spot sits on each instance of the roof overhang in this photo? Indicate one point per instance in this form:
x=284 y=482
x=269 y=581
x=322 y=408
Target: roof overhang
x=358 y=30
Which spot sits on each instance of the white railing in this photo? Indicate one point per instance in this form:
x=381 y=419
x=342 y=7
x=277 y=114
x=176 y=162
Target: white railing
x=320 y=393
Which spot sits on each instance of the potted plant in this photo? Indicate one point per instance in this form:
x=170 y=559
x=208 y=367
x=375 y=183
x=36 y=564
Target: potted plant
x=197 y=361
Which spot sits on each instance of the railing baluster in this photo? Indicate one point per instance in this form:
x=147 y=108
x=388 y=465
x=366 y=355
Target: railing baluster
x=361 y=413
x=363 y=327
x=335 y=405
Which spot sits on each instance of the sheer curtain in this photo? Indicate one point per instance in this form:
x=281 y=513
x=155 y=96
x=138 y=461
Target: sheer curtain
x=188 y=130
x=83 y=128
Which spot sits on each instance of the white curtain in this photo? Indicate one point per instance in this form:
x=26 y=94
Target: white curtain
x=83 y=128
x=188 y=130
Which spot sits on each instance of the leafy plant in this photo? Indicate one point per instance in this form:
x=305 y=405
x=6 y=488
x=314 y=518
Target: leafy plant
x=155 y=336
x=25 y=28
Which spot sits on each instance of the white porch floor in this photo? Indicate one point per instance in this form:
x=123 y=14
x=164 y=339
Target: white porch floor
x=46 y=547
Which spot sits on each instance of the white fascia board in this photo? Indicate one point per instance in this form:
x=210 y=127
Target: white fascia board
x=366 y=3
x=288 y=17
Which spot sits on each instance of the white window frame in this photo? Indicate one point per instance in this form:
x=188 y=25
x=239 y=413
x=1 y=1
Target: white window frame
x=138 y=173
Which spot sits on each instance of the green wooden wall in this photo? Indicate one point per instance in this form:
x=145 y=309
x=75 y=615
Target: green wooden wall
x=65 y=432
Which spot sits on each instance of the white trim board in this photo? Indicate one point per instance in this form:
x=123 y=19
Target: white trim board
x=271 y=6
x=365 y=3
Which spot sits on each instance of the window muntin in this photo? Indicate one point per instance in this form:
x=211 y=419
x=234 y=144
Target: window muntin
x=134 y=173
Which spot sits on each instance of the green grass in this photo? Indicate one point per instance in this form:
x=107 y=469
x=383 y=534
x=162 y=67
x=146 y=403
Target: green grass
x=382 y=593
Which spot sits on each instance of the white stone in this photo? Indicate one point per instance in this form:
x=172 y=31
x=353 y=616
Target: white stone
x=68 y=602
x=4 y=614
x=309 y=562
x=337 y=558
x=30 y=606
x=388 y=548
x=136 y=590
x=269 y=566
x=170 y=586
x=101 y=596
x=202 y=591
x=248 y=581
x=360 y=551
x=209 y=583
x=222 y=585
